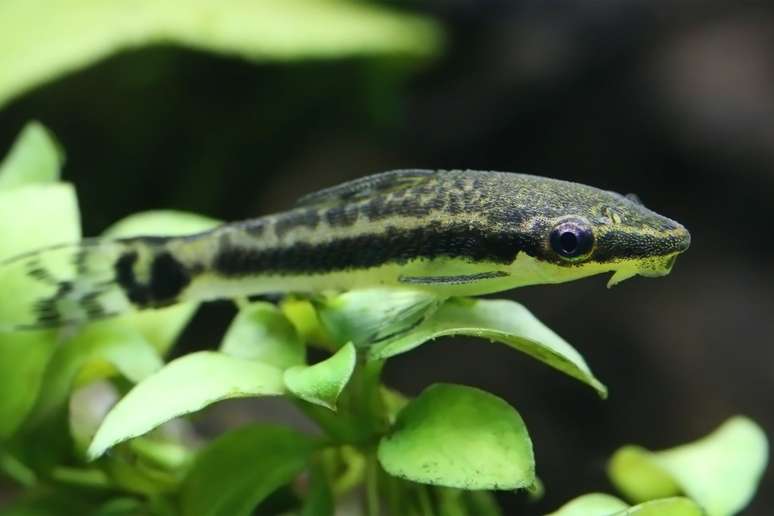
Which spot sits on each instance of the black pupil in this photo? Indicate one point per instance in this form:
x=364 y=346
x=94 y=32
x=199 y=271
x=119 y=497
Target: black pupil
x=569 y=242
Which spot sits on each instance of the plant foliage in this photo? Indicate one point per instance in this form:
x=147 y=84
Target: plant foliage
x=90 y=425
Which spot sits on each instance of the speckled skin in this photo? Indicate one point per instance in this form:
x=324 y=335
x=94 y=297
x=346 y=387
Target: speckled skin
x=470 y=215
x=451 y=232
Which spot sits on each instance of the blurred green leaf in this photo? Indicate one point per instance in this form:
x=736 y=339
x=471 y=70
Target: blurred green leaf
x=600 y=504
x=457 y=436
x=676 y=506
x=185 y=385
x=162 y=326
x=499 y=320
x=592 y=504
x=121 y=507
x=80 y=32
x=239 y=469
x=30 y=217
x=261 y=332
x=371 y=315
x=720 y=471
x=322 y=383
x=120 y=345
x=35 y=157
x=47 y=503
x=11 y=467
x=636 y=475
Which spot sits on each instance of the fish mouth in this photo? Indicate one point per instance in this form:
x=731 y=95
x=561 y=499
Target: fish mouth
x=656 y=266
x=659 y=267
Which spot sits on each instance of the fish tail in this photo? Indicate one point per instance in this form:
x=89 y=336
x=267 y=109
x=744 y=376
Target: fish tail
x=69 y=285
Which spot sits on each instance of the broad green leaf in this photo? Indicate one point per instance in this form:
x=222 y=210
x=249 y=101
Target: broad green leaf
x=322 y=383
x=675 y=506
x=720 y=471
x=161 y=327
x=185 y=385
x=593 y=504
x=81 y=32
x=239 y=469
x=371 y=315
x=30 y=217
x=261 y=332
x=500 y=320
x=35 y=157
x=457 y=436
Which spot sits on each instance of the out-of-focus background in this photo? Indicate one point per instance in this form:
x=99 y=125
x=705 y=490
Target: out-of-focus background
x=672 y=100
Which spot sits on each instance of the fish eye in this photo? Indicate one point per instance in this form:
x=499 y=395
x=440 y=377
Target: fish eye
x=572 y=239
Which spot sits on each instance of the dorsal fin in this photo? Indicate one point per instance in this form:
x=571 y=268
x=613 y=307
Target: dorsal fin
x=365 y=187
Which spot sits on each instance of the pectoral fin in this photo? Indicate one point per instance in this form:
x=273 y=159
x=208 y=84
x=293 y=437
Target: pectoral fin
x=460 y=279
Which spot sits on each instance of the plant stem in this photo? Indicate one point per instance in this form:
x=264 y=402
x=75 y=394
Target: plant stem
x=372 y=485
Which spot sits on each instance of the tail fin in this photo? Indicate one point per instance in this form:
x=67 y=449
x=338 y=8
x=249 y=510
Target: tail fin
x=62 y=286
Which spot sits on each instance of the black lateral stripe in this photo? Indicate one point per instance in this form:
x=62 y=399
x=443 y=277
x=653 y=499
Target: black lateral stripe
x=372 y=250
x=452 y=280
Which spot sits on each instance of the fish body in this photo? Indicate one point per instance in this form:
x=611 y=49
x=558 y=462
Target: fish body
x=453 y=233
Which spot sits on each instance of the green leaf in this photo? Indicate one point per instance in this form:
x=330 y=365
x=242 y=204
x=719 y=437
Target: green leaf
x=721 y=471
x=599 y=504
x=119 y=345
x=239 y=469
x=457 y=436
x=160 y=222
x=30 y=217
x=499 y=320
x=322 y=383
x=592 y=504
x=185 y=385
x=161 y=327
x=636 y=475
x=370 y=315
x=35 y=157
x=81 y=32
x=261 y=332
x=676 y=506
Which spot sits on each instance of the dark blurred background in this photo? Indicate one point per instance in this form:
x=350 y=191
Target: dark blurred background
x=672 y=100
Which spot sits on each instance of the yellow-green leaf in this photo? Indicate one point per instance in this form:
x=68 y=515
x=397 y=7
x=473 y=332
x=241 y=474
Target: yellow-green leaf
x=322 y=383
x=261 y=332
x=78 y=33
x=185 y=385
x=499 y=320
x=35 y=157
x=720 y=471
x=457 y=436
